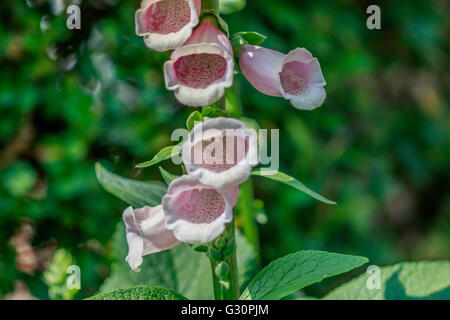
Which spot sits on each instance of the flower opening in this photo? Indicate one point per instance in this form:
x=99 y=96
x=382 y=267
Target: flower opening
x=166 y=24
x=197 y=213
x=201 y=70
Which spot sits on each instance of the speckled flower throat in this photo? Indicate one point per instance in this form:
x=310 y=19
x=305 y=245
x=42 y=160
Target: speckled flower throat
x=200 y=70
x=200 y=206
x=167 y=16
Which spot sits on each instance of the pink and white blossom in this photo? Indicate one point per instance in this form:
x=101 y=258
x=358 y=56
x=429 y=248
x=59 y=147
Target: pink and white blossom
x=197 y=213
x=201 y=70
x=146 y=233
x=166 y=24
x=220 y=152
x=296 y=76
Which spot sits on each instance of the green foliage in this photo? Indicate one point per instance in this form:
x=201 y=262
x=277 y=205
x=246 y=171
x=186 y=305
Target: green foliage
x=427 y=280
x=163 y=154
x=193 y=118
x=181 y=269
x=240 y=39
x=247 y=259
x=167 y=176
x=250 y=37
x=213 y=112
x=231 y=6
x=288 y=180
x=55 y=277
x=296 y=271
x=134 y=192
x=139 y=293
x=19 y=179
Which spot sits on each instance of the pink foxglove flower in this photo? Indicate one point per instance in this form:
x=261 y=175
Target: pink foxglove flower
x=296 y=76
x=146 y=234
x=220 y=152
x=197 y=213
x=166 y=24
x=201 y=70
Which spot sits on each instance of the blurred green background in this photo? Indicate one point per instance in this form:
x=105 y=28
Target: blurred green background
x=379 y=145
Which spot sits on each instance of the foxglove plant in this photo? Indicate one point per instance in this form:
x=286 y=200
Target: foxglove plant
x=190 y=212
x=219 y=152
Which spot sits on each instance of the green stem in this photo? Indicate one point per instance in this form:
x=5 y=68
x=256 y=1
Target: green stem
x=246 y=202
x=222 y=256
x=216 y=284
x=233 y=292
x=246 y=206
x=210 y=7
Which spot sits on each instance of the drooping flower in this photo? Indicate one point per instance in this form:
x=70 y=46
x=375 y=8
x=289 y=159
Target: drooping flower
x=296 y=76
x=201 y=70
x=197 y=213
x=220 y=152
x=166 y=24
x=146 y=234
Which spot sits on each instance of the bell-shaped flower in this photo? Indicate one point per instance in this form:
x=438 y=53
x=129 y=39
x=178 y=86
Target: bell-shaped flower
x=197 y=213
x=146 y=234
x=166 y=24
x=295 y=76
x=220 y=152
x=201 y=70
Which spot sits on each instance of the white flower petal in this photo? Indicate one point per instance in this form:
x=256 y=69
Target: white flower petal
x=196 y=213
x=164 y=41
x=230 y=174
x=146 y=234
x=201 y=70
x=312 y=98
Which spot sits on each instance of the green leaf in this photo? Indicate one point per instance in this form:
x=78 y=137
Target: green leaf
x=193 y=118
x=231 y=6
x=167 y=176
x=251 y=37
x=163 y=154
x=139 y=293
x=296 y=271
x=288 y=180
x=134 y=192
x=247 y=261
x=426 y=280
x=240 y=39
x=213 y=112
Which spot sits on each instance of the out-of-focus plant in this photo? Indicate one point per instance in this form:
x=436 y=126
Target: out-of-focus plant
x=58 y=274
